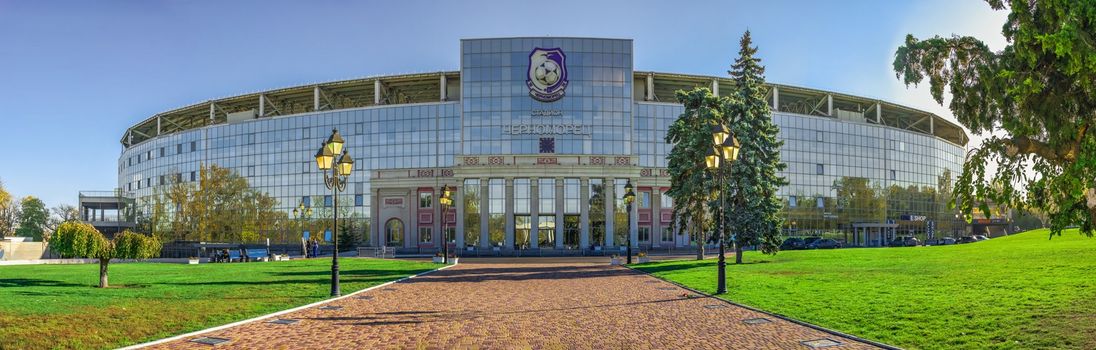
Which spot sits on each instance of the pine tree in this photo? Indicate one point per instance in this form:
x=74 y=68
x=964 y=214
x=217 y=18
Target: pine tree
x=690 y=184
x=753 y=208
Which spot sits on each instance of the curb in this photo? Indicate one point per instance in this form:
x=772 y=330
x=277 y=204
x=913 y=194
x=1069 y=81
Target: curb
x=279 y=313
x=773 y=314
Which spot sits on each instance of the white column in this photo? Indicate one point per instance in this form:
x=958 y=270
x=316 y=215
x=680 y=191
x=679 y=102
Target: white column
x=829 y=104
x=776 y=99
x=656 y=215
x=878 y=113
x=377 y=92
x=158 y=130
x=212 y=110
x=715 y=87
x=633 y=224
x=610 y=201
x=316 y=98
x=485 y=212
x=439 y=219
x=444 y=87
x=534 y=212
x=559 y=212
x=262 y=105
x=932 y=125
x=650 y=87
x=509 y=212
x=584 y=207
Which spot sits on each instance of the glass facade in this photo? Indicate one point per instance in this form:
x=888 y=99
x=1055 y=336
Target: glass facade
x=842 y=174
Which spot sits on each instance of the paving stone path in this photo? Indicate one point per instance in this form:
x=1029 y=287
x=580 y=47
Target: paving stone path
x=522 y=304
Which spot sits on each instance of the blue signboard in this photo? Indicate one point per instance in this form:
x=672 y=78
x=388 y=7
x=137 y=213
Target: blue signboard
x=306 y=235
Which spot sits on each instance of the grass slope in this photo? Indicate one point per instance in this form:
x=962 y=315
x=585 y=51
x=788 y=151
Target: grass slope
x=1018 y=292
x=56 y=306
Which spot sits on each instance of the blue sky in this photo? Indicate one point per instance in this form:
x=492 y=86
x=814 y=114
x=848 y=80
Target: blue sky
x=74 y=75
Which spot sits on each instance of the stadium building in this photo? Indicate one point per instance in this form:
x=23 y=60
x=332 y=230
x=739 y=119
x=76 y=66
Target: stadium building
x=539 y=136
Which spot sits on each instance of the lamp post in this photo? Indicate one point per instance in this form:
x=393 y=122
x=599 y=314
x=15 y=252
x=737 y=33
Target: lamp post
x=719 y=157
x=336 y=182
x=446 y=201
x=629 y=197
x=299 y=213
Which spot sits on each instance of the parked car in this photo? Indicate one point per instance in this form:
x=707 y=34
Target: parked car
x=824 y=243
x=793 y=243
x=981 y=237
x=904 y=241
x=808 y=240
x=941 y=241
x=968 y=239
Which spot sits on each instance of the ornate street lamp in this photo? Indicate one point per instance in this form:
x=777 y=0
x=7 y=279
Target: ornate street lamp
x=336 y=182
x=721 y=156
x=629 y=197
x=299 y=213
x=446 y=201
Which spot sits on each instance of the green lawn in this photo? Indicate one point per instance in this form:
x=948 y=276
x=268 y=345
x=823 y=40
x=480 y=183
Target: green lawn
x=1018 y=292
x=56 y=306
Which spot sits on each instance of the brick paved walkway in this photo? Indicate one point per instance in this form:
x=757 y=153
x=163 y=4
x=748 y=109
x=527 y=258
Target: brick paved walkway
x=523 y=304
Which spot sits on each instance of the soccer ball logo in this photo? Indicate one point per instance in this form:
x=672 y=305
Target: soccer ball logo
x=547 y=73
x=547 y=78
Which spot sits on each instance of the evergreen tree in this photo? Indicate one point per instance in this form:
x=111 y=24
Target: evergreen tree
x=753 y=208
x=690 y=183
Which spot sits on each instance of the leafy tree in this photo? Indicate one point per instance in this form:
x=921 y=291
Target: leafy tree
x=690 y=185
x=221 y=206
x=1040 y=91
x=349 y=231
x=9 y=212
x=60 y=214
x=753 y=212
x=33 y=218
x=78 y=239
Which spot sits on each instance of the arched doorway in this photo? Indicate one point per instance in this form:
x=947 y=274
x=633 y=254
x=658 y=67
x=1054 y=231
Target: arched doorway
x=393 y=233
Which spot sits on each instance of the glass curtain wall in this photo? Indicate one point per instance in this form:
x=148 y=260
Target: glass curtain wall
x=546 y=228
x=471 y=212
x=522 y=226
x=597 y=212
x=620 y=215
x=496 y=220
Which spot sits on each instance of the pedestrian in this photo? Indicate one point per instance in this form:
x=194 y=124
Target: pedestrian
x=308 y=249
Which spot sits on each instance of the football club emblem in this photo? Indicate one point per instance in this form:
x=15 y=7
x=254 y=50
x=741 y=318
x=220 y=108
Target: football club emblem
x=547 y=79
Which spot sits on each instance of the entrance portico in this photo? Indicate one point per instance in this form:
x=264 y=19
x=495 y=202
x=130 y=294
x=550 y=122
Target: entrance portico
x=526 y=205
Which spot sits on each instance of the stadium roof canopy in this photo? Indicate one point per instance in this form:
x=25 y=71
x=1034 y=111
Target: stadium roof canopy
x=445 y=86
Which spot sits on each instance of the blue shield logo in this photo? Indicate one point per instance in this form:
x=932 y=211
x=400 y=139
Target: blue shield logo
x=547 y=80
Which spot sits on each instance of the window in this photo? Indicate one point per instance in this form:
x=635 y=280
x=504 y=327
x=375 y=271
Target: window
x=426 y=200
x=304 y=133
x=359 y=200
x=819 y=169
x=327 y=201
x=522 y=195
x=393 y=233
x=359 y=128
x=597 y=212
x=547 y=190
x=305 y=166
x=620 y=214
x=129 y=186
x=546 y=231
x=496 y=210
x=179 y=149
x=792 y=202
x=251 y=170
x=193 y=146
x=471 y=199
x=161 y=151
x=572 y=227
x=148 y=182
x=667 y=234
x=645 y=234
x=425 y=235
x=820 y=202
x=667 y=202
x=130 y=161
x=193 y=176
x=893 y=175
x=521 y=231
x=251 y=138
x=645 y=200
x=162 y=182
x=307 y=201
x=571 y=195
x=148 y=155
x=818 y=136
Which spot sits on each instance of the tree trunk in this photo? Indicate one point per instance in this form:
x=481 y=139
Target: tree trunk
x=699 y=243
x=737 y=253
x=103 y=263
